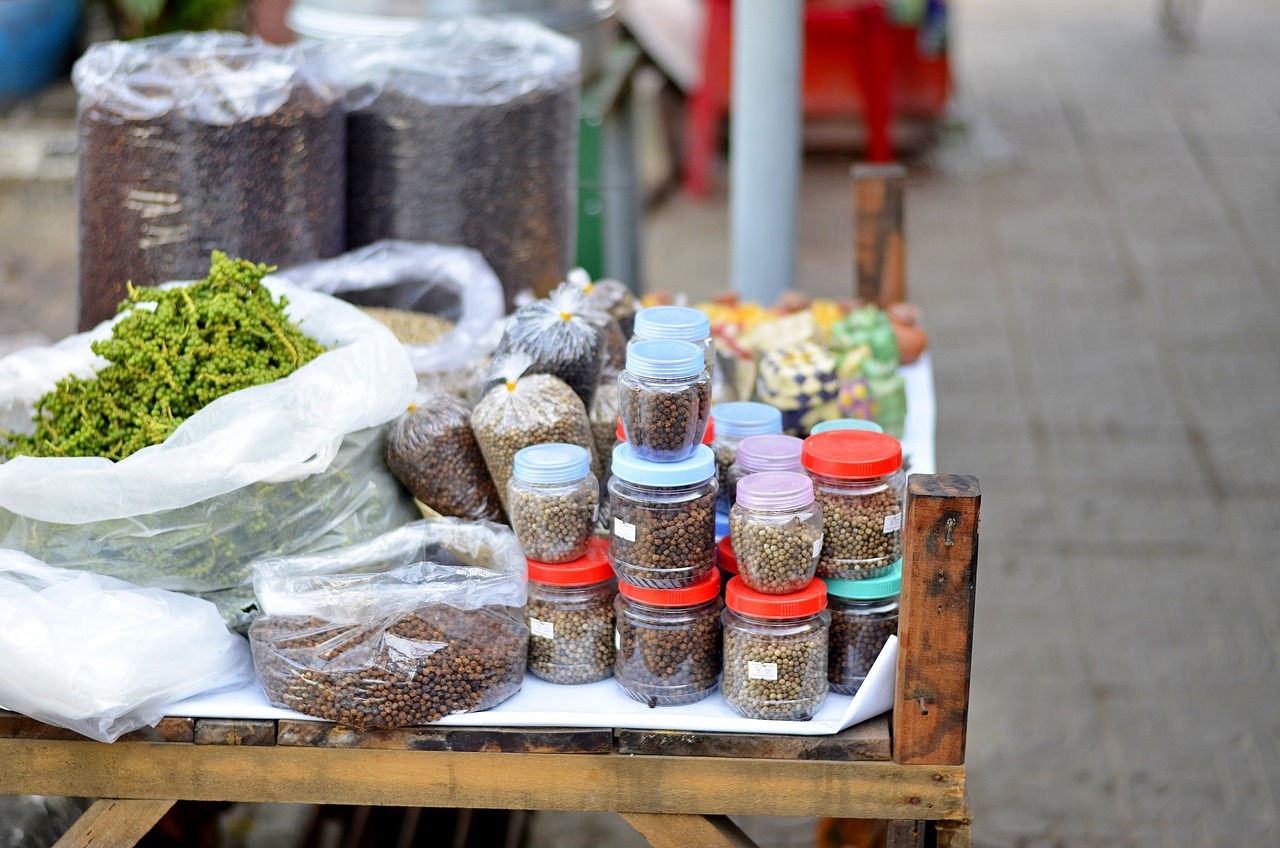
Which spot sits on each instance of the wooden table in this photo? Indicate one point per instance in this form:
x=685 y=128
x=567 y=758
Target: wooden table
x=676 y=788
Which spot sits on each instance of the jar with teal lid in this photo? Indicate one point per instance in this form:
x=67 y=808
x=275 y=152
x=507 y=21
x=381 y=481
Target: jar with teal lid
x=845 y=424
x=736 y=421
x=664 y=397
x=677 y=324
x=757 y=454
x=864 y=614
x=663 y=534
x=552 y=499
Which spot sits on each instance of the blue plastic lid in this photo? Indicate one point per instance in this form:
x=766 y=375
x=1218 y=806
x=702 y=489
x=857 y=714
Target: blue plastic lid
x=677 y=323
x=870 y=589
x=665 y=359
x=554 y=462
x=845 y=424
x=741 y=418
x=687 y=472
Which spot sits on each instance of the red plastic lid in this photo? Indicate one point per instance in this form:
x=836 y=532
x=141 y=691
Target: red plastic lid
x=810 y=600
x=857 y=454
x=706 y=437
x=591 y=567
x=725 y=557
x=699 y=593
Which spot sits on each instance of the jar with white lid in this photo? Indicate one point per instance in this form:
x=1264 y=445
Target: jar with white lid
x=552 y=499
x=775 y=651
x=677 y=324
x=664 y=397
x=858 y=480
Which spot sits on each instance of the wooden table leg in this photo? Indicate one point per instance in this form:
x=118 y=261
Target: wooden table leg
x=906 y=834
x=954 y=834
x=680 y=831
x=112 y=823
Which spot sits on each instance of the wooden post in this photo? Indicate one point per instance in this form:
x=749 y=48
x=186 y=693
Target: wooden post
x=935 y=631
x=111 y=823
x=880 y=250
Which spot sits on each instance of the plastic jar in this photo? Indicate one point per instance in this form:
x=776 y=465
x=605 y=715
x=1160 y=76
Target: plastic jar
x=763 y=453
x=858 y=480
x=552 y=499
x=775 y=651
x=776 y=532
x=664 y=397
x=864 y=614
x=736 y=421
x=845 y=424
x=677 y=324
x=664 y=519
x=668 y=642
x=570 y=618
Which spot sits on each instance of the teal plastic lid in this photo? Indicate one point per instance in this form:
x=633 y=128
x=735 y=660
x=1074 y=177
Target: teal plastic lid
x=698 y=468
x=741 y=418
x=678 y=323
x=871 y=589
x=553 y=462
x=845 y=424
x=664 y=359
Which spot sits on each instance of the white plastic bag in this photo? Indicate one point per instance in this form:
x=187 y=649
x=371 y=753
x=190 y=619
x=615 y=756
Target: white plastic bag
x=103 y=657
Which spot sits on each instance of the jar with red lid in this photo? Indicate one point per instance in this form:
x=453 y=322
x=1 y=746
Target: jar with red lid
x=775 y=651
x=570 y=617
x=858 y=480
x=668 y=642
x=726 y=561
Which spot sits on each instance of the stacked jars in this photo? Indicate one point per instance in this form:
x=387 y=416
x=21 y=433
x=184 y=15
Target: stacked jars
x=552 y=499
x=677 y=324
x=864 y=614
x=776 y=531
x=736 y=421
x=763 y=453
x=570 y=615
x=662 y=496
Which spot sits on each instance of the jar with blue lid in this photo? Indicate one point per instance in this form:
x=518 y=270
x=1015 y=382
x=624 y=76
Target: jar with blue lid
x=663 y=534
x=736 y=421
x=664 y=397
x=677 y=324
x=845 y=424
x=552 y=499
x=864 y=614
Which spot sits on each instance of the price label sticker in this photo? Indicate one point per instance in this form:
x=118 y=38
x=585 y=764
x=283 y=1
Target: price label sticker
x=893 y=523
x=617 y=640
x=545 y=629
x=623 y=530
x=817 y=546
x=762 y=671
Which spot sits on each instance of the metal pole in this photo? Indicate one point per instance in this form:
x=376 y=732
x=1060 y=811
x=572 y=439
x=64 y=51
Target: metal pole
x=764 y=146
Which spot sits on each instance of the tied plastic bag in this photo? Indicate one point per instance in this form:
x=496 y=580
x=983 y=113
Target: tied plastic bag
x=465 y=131
x=202 y=141
x=560 y=336
x=283 y=467
x=103 y=657
x=454 y=283
x=612 y=309
x=402 y=630
x=526 y=409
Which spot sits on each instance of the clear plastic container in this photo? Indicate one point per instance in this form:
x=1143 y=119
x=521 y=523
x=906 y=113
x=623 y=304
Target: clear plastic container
x=864 y=614
x=605 y=521
x=668 y=642
x=664 y=397
x=553 y=498
x=763 y=453
x=845 y=424
x=664 y=519
x=736 y=421
x=858 y=480
x=571 y=619
x=775 y=652
x=677 y=324
x=776 y=532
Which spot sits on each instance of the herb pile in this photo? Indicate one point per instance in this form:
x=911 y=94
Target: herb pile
x=199 y=342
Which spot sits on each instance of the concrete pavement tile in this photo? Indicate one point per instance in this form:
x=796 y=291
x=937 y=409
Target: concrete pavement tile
x=1163 y=519
x=1096 y=457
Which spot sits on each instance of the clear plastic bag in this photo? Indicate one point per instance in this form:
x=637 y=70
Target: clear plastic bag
x=609 y=296
x=103 y=657
x=290 y=465
x=433 y=452
x=452 y=282
x=402 y=630
x=466 y=132
x=201 y=141
x=560 y=336
x=526 y=409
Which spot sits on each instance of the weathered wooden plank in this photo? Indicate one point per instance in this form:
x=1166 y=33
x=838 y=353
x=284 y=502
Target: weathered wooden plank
x=110 y=823
x=905 y=834
x=681 y=831
x=532 y=740
x=866 y=741
x=228 y=731
x=880 y=249
x=8 y=724
x=954 y=834
x=168 y=729
x=935 y=631
x=502 y=781
x=323 y=734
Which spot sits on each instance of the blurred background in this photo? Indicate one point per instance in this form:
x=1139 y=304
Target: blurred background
x=1092 y=210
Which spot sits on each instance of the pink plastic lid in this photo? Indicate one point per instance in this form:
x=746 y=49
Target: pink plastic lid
x=769 y=453
x=775 y=490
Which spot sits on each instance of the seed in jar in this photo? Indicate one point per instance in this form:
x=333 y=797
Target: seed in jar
x=665 y=425
x=775 y=557
x=669 y=665
x=554 y=527
x=571 y=644
x=862 y=533
x=663 y=546
x=856 y=642
x=782 y=677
